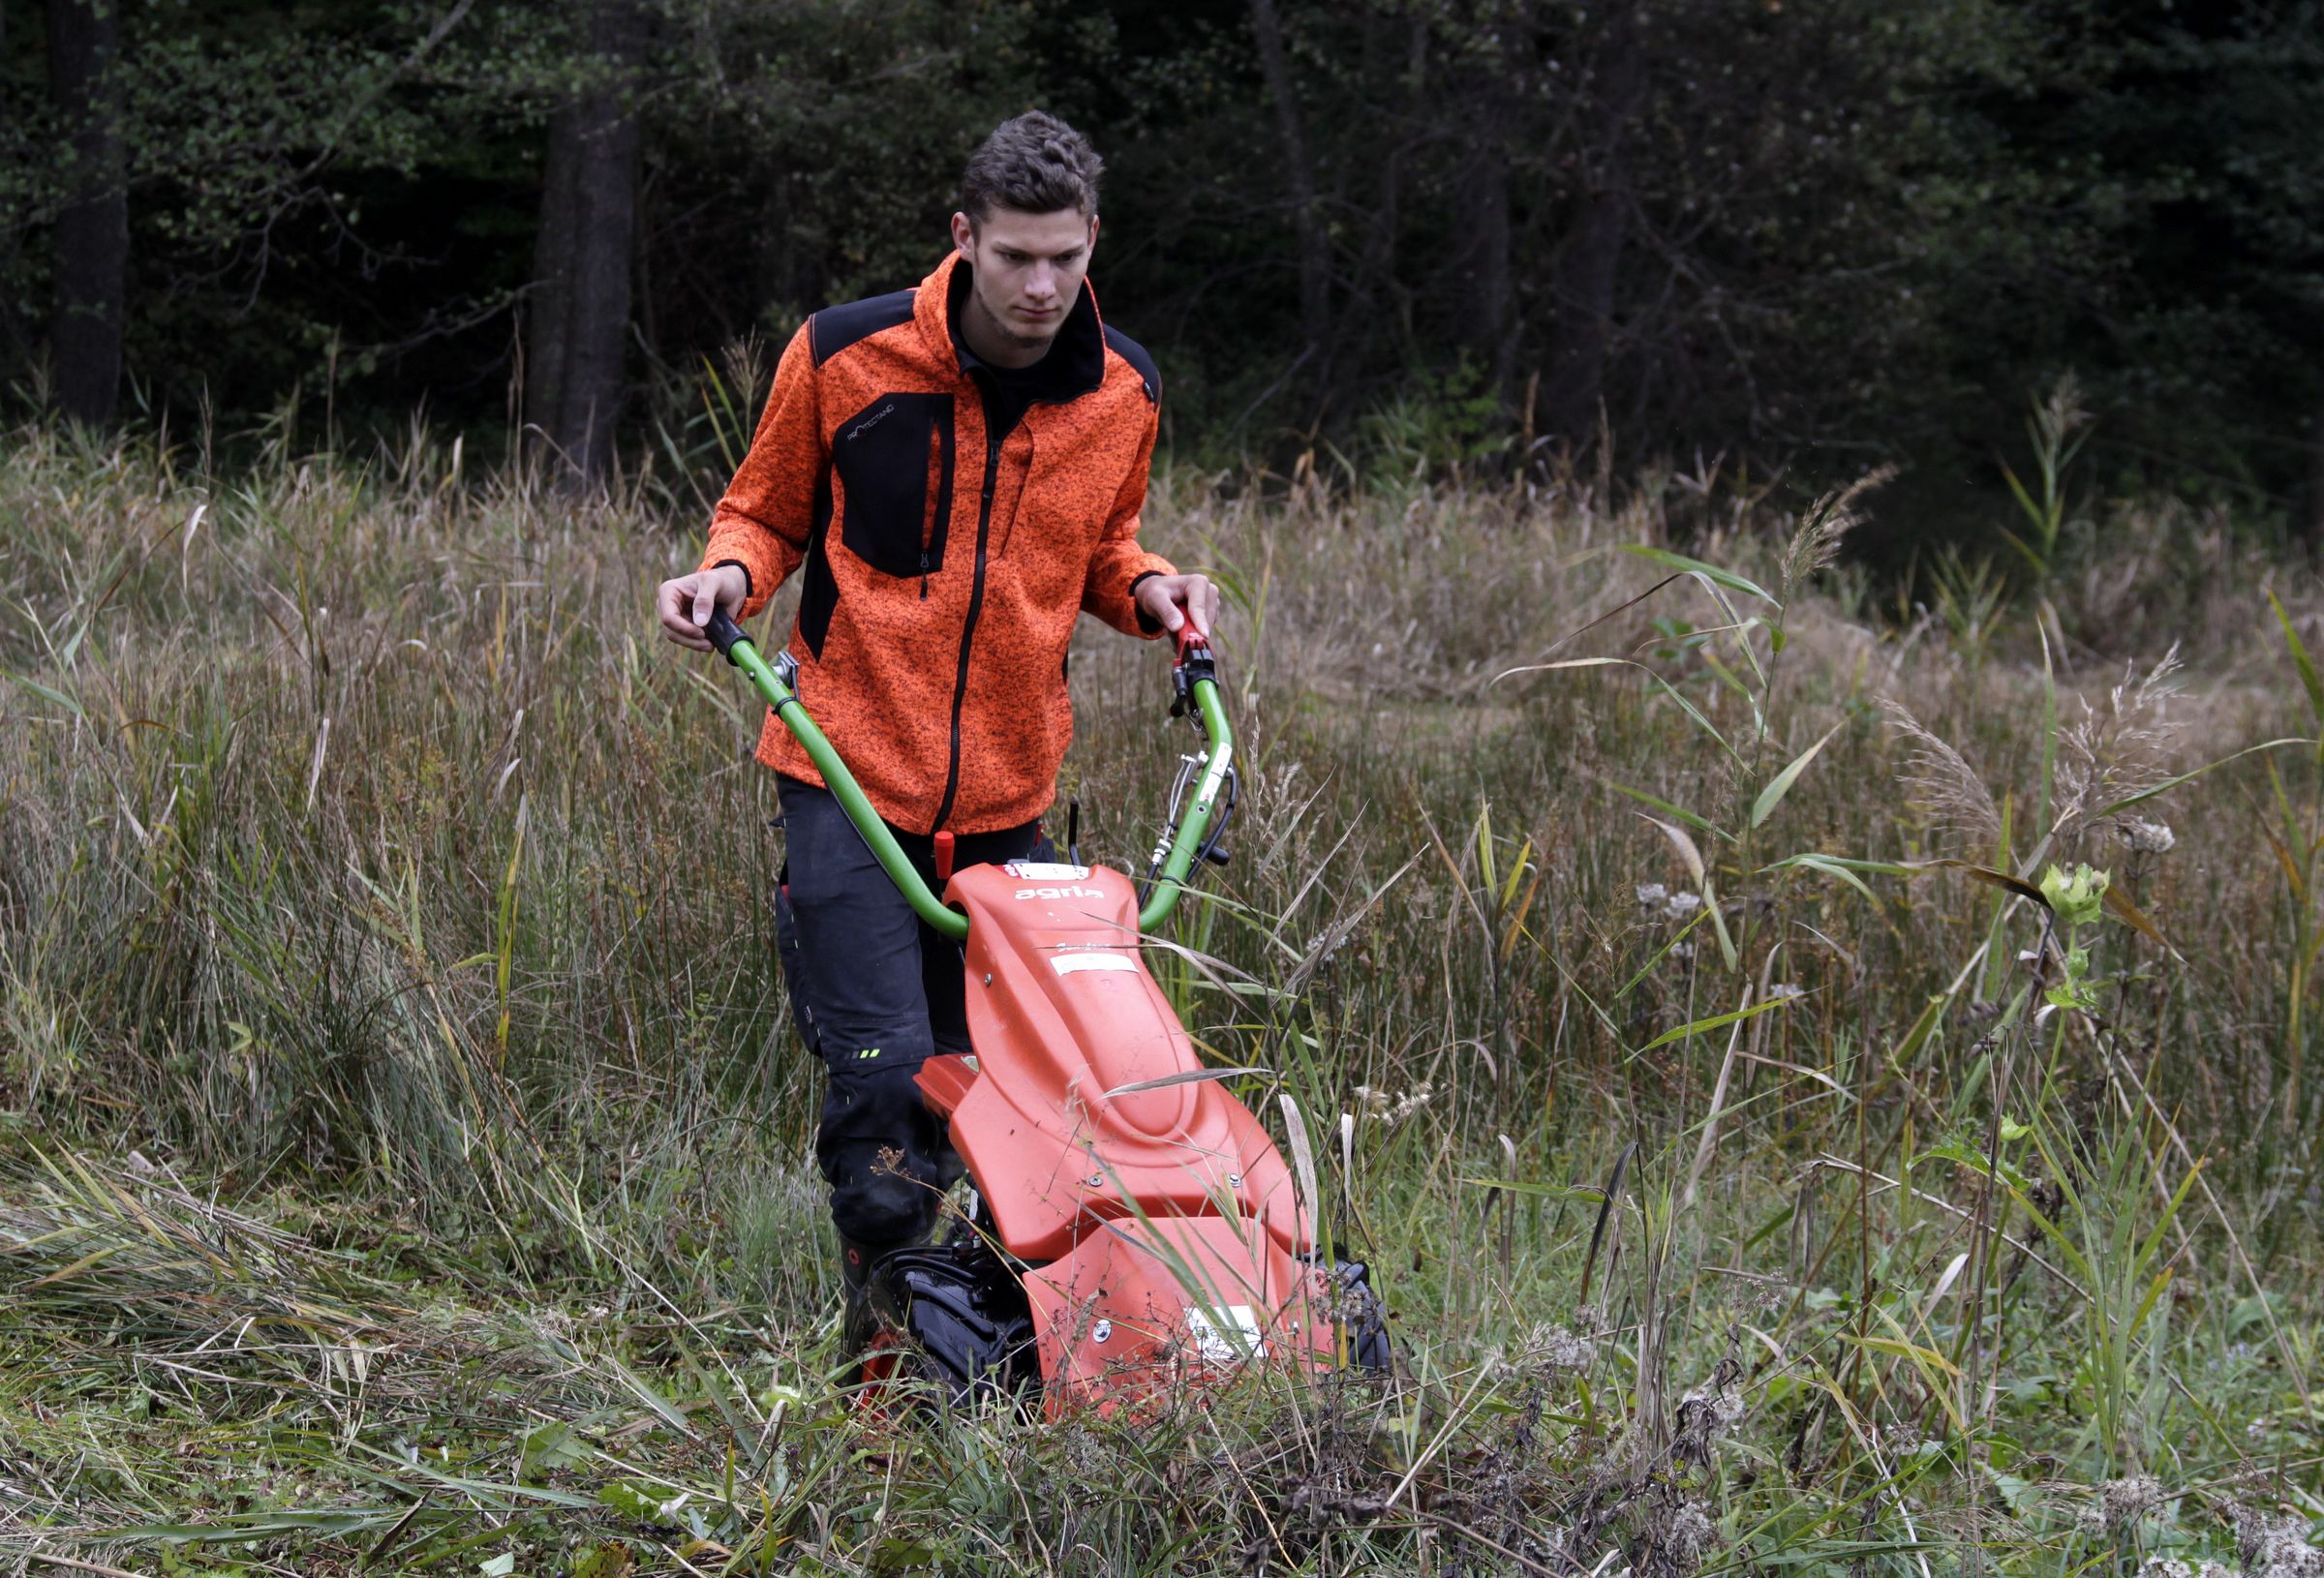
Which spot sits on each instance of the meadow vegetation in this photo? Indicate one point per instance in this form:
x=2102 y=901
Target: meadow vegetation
x=1769 y=1164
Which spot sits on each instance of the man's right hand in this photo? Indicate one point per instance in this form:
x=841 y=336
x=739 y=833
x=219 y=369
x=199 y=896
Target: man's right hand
x=685 y=603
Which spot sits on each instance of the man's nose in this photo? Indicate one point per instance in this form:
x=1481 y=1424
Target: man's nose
x=1043 y=281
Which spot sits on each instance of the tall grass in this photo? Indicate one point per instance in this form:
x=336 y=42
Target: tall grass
x=1646 y=914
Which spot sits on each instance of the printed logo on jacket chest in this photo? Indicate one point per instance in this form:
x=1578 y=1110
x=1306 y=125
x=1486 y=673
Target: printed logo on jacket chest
x=893 y=462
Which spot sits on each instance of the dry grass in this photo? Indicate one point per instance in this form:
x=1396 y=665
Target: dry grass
x=402 y=1149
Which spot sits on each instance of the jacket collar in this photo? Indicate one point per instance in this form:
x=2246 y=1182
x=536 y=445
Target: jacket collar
x=1076 y=363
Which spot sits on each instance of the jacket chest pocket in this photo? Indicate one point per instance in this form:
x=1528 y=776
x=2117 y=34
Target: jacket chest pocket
x=894 y=461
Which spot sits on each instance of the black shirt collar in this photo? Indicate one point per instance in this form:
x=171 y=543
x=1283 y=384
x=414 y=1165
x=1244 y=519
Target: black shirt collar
x=1074 y=365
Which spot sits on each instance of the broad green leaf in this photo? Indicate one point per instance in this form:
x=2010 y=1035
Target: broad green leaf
x=1689 y=707
x=1697 y=823
x=1826 y=866
x=1902 y=1349
x=2309 y=679
x=1781 y=785
x=1963 y=1154
x=1679 y=840
x=1695 y=1028
x=46 y=694
x=1696 y=567
x=1727 y=944
x=2169 y=784
x=2132 y=917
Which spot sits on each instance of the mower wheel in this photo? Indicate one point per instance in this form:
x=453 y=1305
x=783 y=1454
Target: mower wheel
x=964 y=1318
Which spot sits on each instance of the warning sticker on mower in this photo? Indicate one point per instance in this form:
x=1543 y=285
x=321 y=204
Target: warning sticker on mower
x=1046 y=871
x=1069 y=963
x=1225 y=1334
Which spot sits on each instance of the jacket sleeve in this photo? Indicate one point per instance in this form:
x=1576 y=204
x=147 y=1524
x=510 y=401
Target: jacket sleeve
x=763 y=521
x=1120 y=563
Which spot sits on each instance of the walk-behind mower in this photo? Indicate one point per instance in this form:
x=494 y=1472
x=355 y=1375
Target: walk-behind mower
x=1133 y=1230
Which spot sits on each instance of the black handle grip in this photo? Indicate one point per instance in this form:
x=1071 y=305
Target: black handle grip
x=722 y=632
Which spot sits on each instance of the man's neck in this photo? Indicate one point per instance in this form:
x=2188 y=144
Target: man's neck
x=993 y=344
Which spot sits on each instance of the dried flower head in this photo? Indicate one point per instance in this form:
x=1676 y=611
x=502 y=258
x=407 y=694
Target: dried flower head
x=2147 y=837
x=1389 y=1108
x=1939 y=783
x=1549 y=1347
x=1709 y=1411
x=2120 y=750
x=1901 y=1437
x=2122 y=1502
x=1686 y=1538
x=2276 y=1546
x=1825 y=525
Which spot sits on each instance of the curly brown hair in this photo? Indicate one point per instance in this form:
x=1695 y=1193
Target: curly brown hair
x=1034 y=163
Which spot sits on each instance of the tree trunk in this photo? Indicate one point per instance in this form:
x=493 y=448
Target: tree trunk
x=1492 y=331
x=577 y=317
x=1490 y=94
x=92 y=226
x=2315 y=486
x=1587 y=273
x=1307 y=223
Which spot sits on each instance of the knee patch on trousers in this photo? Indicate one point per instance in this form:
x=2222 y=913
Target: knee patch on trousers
x=876 y=1198
x=884 y=1154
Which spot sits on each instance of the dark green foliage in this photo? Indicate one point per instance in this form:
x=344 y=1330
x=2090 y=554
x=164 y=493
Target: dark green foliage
x=1790 y=230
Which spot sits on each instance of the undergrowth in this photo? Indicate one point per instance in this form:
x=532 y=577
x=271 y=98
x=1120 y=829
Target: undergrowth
x=1824 y=1083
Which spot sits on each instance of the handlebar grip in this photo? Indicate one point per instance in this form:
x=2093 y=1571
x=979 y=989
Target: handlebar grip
x=723 y=632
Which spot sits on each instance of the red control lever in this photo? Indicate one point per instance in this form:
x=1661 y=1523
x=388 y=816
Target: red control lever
x=943 y=843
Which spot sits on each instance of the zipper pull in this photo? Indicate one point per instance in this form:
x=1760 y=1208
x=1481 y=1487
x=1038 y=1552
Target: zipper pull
x=924 y=575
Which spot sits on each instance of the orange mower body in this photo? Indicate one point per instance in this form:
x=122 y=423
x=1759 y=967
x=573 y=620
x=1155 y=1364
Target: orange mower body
x=1162 y=1240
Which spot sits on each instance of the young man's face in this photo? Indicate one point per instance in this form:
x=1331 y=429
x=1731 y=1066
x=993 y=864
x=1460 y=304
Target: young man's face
x=1029 y=273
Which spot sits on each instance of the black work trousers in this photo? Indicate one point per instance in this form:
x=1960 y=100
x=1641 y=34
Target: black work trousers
x=875 y=992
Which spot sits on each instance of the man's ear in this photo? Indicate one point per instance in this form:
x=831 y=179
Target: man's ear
x=963 y=235
x=1092 y=232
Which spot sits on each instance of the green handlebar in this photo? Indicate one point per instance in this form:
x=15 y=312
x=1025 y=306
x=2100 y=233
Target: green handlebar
x=736 y=649
x=1216 y=758
x=737 y=646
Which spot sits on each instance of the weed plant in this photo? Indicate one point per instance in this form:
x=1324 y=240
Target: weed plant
x=1824 y=1085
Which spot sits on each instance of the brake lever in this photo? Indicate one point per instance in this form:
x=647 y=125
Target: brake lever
x=1194 y=662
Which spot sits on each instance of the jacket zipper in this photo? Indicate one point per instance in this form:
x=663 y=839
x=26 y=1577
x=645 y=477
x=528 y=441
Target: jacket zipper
x=976 y=600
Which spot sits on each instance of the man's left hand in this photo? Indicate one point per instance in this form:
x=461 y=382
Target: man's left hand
x=1171 y=601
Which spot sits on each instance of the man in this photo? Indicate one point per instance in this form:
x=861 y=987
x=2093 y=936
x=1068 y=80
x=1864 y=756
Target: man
x=957 y=472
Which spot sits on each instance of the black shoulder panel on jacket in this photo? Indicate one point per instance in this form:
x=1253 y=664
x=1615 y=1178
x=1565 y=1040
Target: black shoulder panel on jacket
x=834 y=328
x=1131 y=351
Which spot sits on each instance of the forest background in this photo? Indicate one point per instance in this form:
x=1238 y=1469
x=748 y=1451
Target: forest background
x=1815 y=235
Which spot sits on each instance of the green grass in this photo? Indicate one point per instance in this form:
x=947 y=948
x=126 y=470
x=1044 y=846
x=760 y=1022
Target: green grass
x=404 y=1153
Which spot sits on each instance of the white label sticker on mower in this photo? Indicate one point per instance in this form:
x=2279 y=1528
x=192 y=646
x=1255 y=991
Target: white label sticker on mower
x=1223 y=1335
x=1070 y=963
x=1046 y=871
